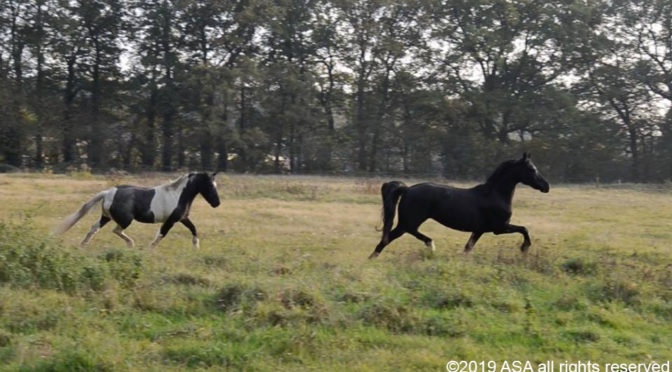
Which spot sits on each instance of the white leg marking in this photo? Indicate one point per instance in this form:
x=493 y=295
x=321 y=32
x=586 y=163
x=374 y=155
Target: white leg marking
x=156 y=240
x=120 y=232
x=195 y=242
x=430 y=245
x=90 y=234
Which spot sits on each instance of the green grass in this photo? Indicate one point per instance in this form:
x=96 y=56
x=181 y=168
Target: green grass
x=282 y=282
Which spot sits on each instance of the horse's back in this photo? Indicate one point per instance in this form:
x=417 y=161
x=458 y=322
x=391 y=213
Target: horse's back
x=132 y=202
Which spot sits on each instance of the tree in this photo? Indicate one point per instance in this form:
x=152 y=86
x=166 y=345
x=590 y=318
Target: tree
x=101 y=25
x=647 y=27
x=518 y=48
x=159 y=41
x=613 y=90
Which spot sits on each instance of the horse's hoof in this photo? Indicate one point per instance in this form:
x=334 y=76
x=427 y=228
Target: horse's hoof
x=427 y=254
x=431 y=246
x=525 y=247
x=373 y=255
x=195 y=243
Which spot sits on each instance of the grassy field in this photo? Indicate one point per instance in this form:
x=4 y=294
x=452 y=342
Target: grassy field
x=282 y=282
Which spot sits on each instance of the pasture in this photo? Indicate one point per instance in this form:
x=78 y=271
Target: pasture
x=282 y=281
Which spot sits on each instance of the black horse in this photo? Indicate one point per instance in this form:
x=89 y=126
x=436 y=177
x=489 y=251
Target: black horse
x=168 y=203
x=481 y=209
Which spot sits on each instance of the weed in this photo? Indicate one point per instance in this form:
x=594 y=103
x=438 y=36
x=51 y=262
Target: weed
x=579 y=266
x=185 y=279
x=238 y=296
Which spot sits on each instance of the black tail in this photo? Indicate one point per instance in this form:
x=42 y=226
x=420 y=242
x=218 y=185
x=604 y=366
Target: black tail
x=391 y=192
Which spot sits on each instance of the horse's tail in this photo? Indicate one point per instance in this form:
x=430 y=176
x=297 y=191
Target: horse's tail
x=72 y=219
x=391 y=192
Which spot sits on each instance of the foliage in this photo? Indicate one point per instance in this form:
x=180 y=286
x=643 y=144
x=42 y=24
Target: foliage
x=28 y=261
x=281 y=282
x=436 y=87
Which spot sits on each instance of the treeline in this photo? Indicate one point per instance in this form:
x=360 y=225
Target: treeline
x=423 y=87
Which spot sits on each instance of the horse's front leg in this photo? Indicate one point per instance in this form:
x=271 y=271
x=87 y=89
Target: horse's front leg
x=187 y=222
x=509 y=228
x=472 y=241
x=162 y=232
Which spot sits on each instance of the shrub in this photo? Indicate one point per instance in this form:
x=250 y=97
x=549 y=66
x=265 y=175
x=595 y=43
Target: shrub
x=238 y=296
x=583 y=336
x=291 y=298
x=394 y=317
x=579 y=266
x=8 y=168
x=186 y=279
x=26 y=261
x=616 y=290
x=5 y=338
x=203 y=355
x=69 y=361
x=440 y=299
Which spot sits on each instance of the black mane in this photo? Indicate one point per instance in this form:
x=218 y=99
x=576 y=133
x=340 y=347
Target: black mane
x=499 y=171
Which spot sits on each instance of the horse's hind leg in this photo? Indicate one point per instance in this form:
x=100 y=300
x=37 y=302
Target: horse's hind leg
x=94 y=229
x=425 y=239
x=120 y=232
x=194 y=240
x=394 y=234
x=472 y=241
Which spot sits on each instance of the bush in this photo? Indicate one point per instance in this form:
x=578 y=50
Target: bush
x=69 y=361
x=616 y=290
x=391 y=316
x=238 y=297
x=7 y=168
x=27 y=261
x=442 y=299
x=578 y=266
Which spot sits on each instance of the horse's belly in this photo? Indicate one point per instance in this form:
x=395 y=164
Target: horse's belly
x=461 y=224
x=459 y=217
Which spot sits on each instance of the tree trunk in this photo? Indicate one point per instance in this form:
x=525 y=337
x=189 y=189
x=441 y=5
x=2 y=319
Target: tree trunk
x=361 y=127
x=68 y=144
x=181 y=161
x=634 y=152
x=375 y=142
x=95 y=142
x=167 y=148
x=148 y=150
x=39 y=90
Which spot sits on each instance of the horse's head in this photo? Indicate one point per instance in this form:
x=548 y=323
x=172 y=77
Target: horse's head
x=529 y=174
x=207 y=186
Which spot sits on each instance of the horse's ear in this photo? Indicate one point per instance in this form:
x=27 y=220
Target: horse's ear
x=526 y=156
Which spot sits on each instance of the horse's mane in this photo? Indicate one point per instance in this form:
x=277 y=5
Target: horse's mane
x=176 y=182
x=497 y=173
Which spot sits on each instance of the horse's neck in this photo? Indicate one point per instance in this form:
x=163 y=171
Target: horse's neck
x=178 y=187
x=504 y=186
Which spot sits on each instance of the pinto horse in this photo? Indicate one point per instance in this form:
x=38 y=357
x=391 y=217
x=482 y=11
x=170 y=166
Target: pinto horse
x=481 y=209
x=168 y=203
